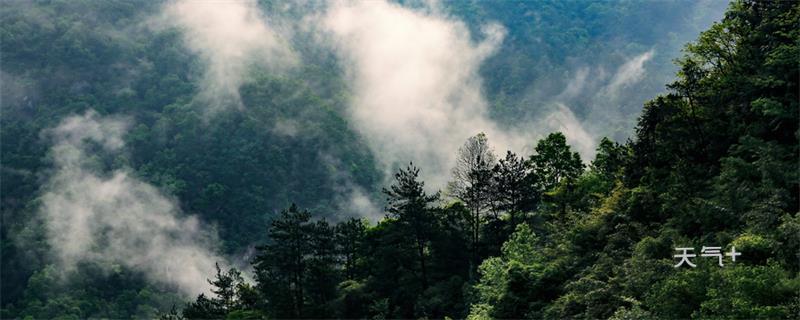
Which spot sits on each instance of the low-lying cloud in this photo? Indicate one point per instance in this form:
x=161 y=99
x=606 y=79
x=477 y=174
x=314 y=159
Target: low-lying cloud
x=602 y=95
x=413 y=72
x=114 y=218
x=414 y=75
x=229 y=37
x=418 y=94
x=629 y=72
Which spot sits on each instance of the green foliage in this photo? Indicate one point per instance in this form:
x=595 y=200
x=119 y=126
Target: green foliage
x=232 y=296
x=233 y=169
x=283 y=267
x=514 y=188
x=610 y=159
x=409 y=204
x=554 y=163
x=738 y=292
x=504 y=289
x=713 y=163
x=119 y=294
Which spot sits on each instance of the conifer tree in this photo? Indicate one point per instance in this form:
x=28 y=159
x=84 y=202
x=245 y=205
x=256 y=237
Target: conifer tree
x=282 y=264
x=408 y=202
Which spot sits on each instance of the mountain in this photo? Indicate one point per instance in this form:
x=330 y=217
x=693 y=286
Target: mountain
x=146 y=143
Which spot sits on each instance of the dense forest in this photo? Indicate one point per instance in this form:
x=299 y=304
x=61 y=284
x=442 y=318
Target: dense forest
x=123 y=182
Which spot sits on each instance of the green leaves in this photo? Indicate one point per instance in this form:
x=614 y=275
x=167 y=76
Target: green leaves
x=737 y=292
x=553 y=161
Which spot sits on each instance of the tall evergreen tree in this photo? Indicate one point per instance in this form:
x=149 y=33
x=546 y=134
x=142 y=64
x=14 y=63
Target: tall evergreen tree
x=513 y=187
x=349 y=242
x=281 y=267
x=231 y=294
x=609 y=160
x=408 y=202
x=322 y=270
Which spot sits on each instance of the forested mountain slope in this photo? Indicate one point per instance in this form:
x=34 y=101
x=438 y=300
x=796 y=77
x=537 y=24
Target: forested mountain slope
x=236 y=169
x=569 y=51
x=713 y=164
x=268 y=168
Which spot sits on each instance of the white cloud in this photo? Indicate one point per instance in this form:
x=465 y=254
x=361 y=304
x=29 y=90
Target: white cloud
x=230 y=37
x=576 y=85
x=600 y=95
x=414 y=74
x=114 y=218
x=564 y=120
x=629 y=72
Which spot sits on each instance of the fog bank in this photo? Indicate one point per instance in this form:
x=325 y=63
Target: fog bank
x=113 y=218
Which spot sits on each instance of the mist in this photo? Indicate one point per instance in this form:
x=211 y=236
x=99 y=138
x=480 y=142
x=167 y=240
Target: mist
x=230 y=37
x=417 y=94
x=414 y=75
x=600 y=93
x=113 y=218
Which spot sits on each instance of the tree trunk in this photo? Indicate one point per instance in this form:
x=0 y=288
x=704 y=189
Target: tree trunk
x=421 y=250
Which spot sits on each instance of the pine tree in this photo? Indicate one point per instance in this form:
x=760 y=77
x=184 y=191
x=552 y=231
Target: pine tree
x=409 y=203
x=281 y=267
x=514 y=188
x=349 y=242
x=231 y=293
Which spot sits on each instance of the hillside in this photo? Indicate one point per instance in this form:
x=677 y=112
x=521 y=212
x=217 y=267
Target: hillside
x=566 y=148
